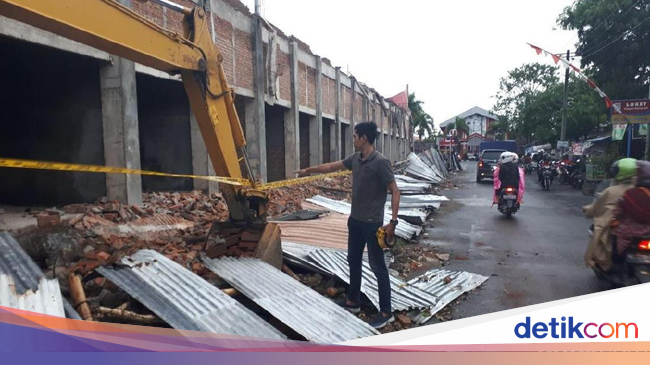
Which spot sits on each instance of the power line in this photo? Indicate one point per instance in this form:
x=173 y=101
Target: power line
x=605 y=31
x=617 y=38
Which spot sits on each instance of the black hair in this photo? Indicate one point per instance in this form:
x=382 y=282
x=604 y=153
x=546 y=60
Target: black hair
x=368 y=129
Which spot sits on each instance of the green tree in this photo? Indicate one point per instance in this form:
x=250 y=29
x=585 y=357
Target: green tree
x=422 y=122
x=614 y=39
x=526 y=100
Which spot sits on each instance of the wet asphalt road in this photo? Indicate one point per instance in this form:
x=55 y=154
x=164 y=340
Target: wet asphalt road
x=535 y=257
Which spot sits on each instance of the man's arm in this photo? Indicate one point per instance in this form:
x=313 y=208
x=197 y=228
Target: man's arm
x=322 y=169
x=394 y=205
x=394 y=201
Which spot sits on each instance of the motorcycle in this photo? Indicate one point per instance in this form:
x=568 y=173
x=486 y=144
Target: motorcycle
x=631 y=268
x=547 y=177
x=576 y=179
x=508 y=204
x=563 y=173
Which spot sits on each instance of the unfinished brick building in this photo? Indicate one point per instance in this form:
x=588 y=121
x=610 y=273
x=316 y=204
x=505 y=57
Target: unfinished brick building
x=68 y=102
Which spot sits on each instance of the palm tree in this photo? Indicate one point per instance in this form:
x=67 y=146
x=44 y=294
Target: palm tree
x=500 y=129
x=422 y=122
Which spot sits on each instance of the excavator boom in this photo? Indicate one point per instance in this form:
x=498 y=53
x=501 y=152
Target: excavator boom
x=109 y=26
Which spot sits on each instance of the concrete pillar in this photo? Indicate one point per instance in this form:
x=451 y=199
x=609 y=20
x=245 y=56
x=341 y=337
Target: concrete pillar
x=389 y=148
x=255 y=109
x=333 y=142
x=337 y=117
x=292 y=119
x=120 y=126
x=350 y=144
x=316 y=123
x=201 y=163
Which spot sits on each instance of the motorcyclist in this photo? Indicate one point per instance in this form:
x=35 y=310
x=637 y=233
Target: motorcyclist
x=509 y=174
x=632 y=215
x=599 y=251
x=545 y=160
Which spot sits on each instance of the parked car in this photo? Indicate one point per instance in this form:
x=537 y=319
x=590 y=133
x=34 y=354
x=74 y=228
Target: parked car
x=487 y=163
x=471 y=157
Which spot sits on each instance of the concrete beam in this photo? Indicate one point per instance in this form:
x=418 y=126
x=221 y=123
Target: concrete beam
x=292 y=119
x=24 y=32
x=255 y=110
x=316 y=123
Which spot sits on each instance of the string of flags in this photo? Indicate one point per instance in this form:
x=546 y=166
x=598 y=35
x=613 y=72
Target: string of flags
x=566 y=64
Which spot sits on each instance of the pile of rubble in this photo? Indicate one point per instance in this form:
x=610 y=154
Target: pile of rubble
x=114 y=239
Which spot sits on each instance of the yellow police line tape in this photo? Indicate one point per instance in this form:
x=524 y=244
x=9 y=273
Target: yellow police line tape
x=58 y=166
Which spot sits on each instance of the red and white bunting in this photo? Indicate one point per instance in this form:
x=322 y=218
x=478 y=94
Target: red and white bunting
x=566 y=64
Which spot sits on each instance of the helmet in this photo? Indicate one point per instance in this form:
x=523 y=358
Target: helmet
x=508 y=157
x=623 y=169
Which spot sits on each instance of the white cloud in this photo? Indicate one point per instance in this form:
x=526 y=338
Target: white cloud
x=451 y=53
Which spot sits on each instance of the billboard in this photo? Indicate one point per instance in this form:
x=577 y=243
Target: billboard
x=631 y=111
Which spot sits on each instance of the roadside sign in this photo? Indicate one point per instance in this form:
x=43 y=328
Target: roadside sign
x=562 y=144
x=632 y=111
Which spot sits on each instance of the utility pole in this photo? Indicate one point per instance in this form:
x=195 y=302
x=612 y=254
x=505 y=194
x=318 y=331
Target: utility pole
x=647 y=131
x=566 y=91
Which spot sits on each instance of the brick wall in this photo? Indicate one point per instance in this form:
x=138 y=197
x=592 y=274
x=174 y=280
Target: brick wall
x=358 y=108
x=224 y=32
x=243 y=60
x=283 y=61
x=329 y=95
x=302 y=83
x=311 y=88
x=346 y=102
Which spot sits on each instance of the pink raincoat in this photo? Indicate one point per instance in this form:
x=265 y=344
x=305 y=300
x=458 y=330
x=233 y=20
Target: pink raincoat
x=520 y=192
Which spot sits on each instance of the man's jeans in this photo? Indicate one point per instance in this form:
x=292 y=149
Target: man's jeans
x=360 y=233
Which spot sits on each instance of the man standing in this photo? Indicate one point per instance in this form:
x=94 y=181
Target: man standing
x=372 y=177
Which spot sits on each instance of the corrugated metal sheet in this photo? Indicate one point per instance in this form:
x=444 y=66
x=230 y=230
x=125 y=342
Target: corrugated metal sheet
x=183 y=299
x=418 y=168
x=23 y=271
x=45 y=299
x=440 y=162
x=308 y=313
x=428 y=292
x=408 y=179
x=403 y=296
x=298 y=254
x=154 y=224
x=329 y=231
x=420 y=201
x=433 y=283
x=404 y=229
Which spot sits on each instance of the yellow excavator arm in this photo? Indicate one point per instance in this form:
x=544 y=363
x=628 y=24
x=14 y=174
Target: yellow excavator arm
x=116 y=29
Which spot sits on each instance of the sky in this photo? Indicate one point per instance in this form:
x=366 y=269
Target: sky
x=450 y=53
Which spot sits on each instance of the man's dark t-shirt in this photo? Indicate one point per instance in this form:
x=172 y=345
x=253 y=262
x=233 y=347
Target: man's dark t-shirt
x=370 y=179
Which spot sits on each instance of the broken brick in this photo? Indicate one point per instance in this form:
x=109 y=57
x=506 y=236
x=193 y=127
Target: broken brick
x=233 y=240
x=111 y=217
x=404 y=320
x=138 y=210
x=47 y=220
x=251 y=236
x=75 y=209
x=247 y=245
x=97 y=255
x=216 y=251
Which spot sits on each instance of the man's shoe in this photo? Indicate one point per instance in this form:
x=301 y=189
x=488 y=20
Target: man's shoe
x=354 y=308
x=381 y=320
